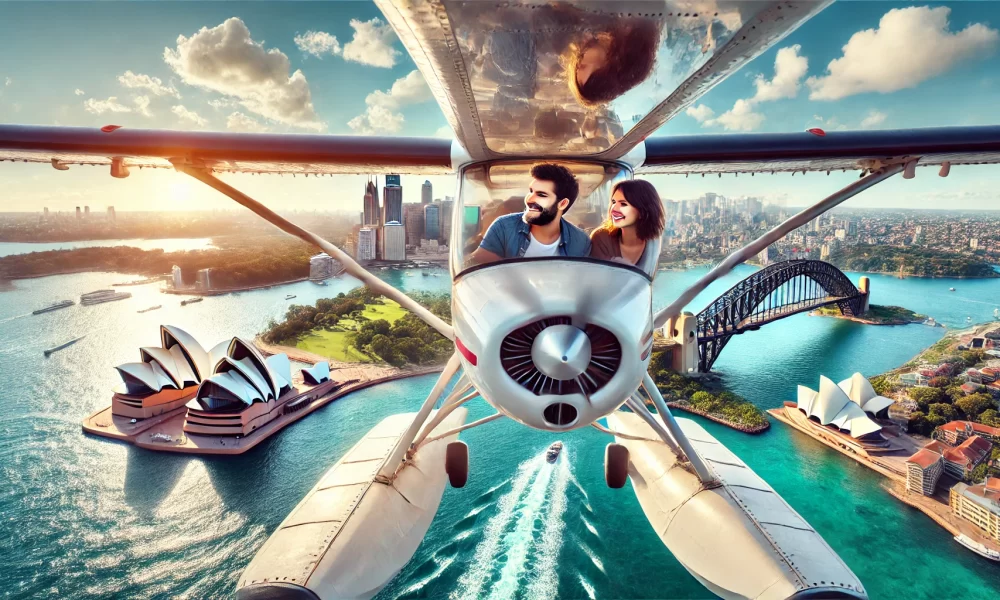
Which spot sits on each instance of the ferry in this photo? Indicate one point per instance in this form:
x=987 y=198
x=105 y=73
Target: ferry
x=978 y=548
x=145 y=310
x=50 y=351
x=290 y=296
x=53 y=306
x=100 y=296
x=552 y=454
x=191 y=301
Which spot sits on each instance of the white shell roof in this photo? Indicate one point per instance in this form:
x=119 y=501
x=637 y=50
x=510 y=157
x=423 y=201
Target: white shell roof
x=149 y=374
x=281 y=368
x=861 y=392
x=319 y=372
x=170 y=335
x=239 y=347
x=832 y=406
x=249 y=372
x=829 y=402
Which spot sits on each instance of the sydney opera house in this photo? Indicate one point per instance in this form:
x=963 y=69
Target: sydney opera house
x=229 y=390
x=842 y=413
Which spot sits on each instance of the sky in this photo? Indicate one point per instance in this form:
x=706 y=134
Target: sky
x=338 y=68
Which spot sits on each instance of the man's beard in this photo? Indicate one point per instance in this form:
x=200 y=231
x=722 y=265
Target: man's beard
x=546 y=216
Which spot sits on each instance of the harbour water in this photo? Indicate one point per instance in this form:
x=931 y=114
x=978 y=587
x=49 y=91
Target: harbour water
x=89 y=518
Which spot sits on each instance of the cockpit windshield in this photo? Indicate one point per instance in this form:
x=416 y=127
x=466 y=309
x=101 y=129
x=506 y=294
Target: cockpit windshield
x=538 y=210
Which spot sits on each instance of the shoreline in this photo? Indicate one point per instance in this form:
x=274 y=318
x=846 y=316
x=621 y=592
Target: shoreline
x=223 y=292
x=816 y=313
x=720 y=420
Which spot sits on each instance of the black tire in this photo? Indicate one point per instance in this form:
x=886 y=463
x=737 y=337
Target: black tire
x=615 y=466
x=456 y=464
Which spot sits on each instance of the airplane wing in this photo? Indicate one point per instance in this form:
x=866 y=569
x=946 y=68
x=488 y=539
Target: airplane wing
x=820 y=151
x=224 y=152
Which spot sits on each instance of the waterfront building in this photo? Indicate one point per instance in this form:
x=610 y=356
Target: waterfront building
x=322 y=266
x=394 y=241
x=923 y=470
x=956 y=432
x=831 y=414
x=164 y=379
x=393 y=200
x=176 y=278
x=204 y=279
x=978 y=504
x=432 y=222
x=426 y=192
x=366 y=244
x=414 y=221
x=961 y=460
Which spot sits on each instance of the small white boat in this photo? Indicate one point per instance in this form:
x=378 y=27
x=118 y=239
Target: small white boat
x=190 y=301
x=552 y=454
x=289 y=296
x=951 y=289
x=146 y=310
x=978 y=548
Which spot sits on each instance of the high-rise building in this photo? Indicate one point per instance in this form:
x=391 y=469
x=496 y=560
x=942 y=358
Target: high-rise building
x=176 y=277
x=392 y=195
x=111 y=213
x=77 y=213
x=371 y=214
x=366 y=244
x=426 y=194
x=394 y=241
x=447 y=207
x=204 y=280
x=413 y=215
x=432 y=222
x=852 y=228
x=45 y=212
x=86 y=212
x=974 y=243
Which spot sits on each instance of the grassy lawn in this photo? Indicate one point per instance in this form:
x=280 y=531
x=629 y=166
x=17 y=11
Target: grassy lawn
x=337 y=344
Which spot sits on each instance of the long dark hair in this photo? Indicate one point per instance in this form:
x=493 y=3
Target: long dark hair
x=642 y=195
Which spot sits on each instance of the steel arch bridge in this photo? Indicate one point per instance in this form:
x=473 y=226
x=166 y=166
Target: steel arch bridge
x=775 y=292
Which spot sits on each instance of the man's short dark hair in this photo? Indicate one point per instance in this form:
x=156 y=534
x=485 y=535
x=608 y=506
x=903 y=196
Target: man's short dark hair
x=565 y=184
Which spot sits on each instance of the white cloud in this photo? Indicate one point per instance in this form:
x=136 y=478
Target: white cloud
x=99 y=107
x=142 y=105
x=185 y=114
x=445 y=132
x=831 y=124
x=382 y=115
x=789 y=69
x=318 y=43
x=911 y=45
x=372 y=44
x=145 y=82
x=872 y=119
x=238 y=121
x=227 y=60
x=79 y=92
x=740 y=118
x=220 y=103
x=700 y=113
x=8 y=81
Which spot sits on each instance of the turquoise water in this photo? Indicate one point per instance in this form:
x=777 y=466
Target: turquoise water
x=167 y=245
x=88 y=518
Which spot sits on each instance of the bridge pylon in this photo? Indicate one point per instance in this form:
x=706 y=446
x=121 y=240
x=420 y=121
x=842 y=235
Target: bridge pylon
x=683 y=331
x=864 y=285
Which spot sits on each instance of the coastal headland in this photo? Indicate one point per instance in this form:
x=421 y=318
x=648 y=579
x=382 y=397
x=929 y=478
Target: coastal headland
x=875 y=315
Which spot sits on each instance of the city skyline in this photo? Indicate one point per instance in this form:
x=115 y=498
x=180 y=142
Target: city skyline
x=338 y=68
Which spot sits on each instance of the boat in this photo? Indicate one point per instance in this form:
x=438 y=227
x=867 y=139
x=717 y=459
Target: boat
x=50 y=351
x=145 y=310
x=100 y=296
x=951 y=289
x=978 y=548
x=930 y=322
x=191 y=301
x=53 y=306
x=425 y=273
x=552 y=454
x=289 y=296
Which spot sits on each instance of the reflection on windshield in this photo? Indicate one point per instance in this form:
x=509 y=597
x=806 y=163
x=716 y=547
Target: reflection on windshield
x=551 y=210
x=561 y=77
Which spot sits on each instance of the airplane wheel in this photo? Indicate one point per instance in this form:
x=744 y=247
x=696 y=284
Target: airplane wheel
x=456 y=464
x=615 y=466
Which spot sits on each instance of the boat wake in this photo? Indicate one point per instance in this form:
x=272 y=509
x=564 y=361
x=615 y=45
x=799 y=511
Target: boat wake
x=14 y=318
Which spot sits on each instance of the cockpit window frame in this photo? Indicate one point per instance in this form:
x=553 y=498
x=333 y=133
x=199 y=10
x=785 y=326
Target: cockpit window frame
x=458 y=209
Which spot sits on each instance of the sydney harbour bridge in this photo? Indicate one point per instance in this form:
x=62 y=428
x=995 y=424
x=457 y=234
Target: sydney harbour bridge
x=774 y=292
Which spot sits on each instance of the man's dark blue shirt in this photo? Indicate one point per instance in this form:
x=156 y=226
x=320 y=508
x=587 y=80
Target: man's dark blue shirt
x=509 y=237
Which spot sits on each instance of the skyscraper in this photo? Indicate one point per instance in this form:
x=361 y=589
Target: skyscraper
x=371 y=214
x=366 y=244
x=393 y=241
x=111 y=213
x=414 y=221
x=77 y=213
x=46 y=212
x=393 y=199
x=432 y=222
x=447 y=207
x=86 y=212
x=426 y=192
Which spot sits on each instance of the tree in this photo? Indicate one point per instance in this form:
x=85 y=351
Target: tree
x=990 y=417
x=925 y=396
x=979 y=473
x=946 y=411
x=882 y=386
x=939 y=382
x=974 y=404
x=917 y=422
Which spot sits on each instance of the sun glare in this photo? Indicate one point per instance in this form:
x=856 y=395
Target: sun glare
x=180 y=191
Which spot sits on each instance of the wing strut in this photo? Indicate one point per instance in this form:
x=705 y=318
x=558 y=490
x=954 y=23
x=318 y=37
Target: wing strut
x=796 y=221
x=373 y=283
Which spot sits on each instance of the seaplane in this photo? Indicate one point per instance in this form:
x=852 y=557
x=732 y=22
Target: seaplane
x=555 y=343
